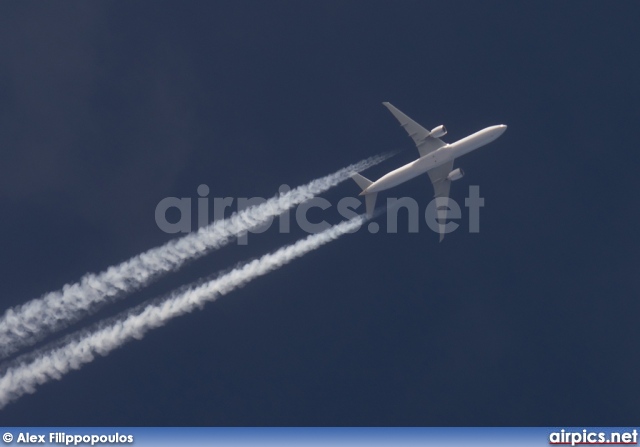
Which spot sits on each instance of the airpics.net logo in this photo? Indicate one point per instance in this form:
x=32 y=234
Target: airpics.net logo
x=590 y=437
x=441 y=215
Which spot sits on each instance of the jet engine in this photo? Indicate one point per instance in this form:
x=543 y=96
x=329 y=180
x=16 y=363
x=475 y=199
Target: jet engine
x=456 y=174
x=438 y=132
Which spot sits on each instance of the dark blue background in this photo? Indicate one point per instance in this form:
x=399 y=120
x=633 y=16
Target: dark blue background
x=108 y=107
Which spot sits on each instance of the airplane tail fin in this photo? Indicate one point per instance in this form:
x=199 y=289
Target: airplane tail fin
x=370 y=201
x=370 y=198
x=362 y=181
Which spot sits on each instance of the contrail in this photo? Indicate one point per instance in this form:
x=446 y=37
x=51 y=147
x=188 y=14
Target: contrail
x=26 y=324
x=25 y=377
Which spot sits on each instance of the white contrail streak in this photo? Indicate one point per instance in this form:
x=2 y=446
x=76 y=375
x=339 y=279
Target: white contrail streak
x=25 y=377
x=28 y=323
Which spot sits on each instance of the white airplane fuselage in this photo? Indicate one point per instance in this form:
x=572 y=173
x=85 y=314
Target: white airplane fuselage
x=436 y=158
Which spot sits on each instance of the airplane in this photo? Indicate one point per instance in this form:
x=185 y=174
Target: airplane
x=436 y=159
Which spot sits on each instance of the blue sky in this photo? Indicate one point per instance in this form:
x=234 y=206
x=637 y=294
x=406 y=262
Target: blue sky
x=106 y=108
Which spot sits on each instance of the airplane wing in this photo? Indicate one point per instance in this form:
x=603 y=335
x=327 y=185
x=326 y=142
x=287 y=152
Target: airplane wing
x=418 y=134
x=441 y=188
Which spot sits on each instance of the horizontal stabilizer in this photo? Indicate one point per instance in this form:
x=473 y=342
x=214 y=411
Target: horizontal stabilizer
x=369 y=198
x=362 y=182
x=370 y=202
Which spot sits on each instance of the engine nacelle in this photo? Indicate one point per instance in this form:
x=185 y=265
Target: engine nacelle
x=456 y=174
x=438 y=132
